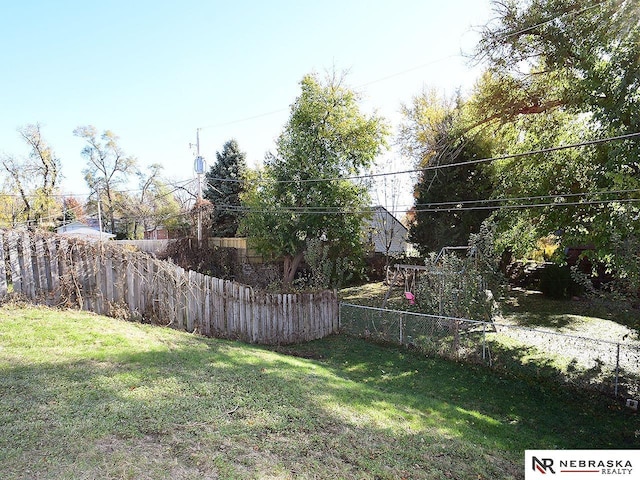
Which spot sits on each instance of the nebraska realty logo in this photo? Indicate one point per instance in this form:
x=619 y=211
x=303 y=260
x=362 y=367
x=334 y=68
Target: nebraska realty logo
x=581 y=464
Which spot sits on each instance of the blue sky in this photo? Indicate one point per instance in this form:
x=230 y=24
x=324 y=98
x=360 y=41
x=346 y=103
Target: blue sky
x=155 y=71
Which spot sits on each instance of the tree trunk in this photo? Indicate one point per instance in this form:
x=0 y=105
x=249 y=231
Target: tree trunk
x=291 y=264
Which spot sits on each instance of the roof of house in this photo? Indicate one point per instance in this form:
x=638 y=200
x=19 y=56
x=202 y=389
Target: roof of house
x=381 y=209
x=80 y=230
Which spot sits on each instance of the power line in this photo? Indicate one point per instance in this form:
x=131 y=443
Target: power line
x=557 y=196
x=431 y=208
x=531 y=205
x=434 y=207
x=547 y=22
x=372 y=82
x=438 y=207
x=408 y=70
x=462 y=204
x=447 y=165
x=246 y=119
x=178 y=185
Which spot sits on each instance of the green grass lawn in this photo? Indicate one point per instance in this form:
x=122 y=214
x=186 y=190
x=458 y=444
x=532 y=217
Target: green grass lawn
x=84 y=396
x=591 y=318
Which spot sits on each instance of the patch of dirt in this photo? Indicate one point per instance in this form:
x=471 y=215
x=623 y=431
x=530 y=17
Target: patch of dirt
x=149 y=457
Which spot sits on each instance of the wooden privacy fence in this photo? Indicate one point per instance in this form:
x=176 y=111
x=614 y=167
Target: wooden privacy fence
x=158 y=247
x=111 y=280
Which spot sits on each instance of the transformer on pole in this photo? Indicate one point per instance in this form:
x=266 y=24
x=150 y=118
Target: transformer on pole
x=199 y=166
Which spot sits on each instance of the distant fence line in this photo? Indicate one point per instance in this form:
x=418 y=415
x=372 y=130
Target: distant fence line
x=160 y=246
x=612 y=367
x=147 y=246
x=106 y=279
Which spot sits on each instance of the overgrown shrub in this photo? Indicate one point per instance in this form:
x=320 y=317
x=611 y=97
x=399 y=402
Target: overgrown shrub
x=219 y=262
x=453 y=287
x=376 y=267
x=463 y=285
x=324 y=272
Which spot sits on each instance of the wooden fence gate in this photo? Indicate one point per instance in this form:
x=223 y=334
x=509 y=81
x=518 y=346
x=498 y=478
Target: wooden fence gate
x=111 y=280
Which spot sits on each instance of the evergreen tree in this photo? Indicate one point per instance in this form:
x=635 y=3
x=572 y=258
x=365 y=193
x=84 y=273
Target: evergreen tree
x=435 y=134
x=223 y=188
x=435 y=227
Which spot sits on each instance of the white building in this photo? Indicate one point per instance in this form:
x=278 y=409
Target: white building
x=83 y=231
x=386 y=234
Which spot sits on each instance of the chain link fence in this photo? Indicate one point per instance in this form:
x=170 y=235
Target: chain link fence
x=610 y=367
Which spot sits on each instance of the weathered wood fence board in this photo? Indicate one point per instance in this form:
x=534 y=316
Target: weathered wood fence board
x=3 y=271
x=14 y=261
x=107 y=279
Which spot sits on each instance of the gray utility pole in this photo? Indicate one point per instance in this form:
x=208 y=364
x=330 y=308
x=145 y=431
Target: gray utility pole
x=199 y=168
x=99 y=217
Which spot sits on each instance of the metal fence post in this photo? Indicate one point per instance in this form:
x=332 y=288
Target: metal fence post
x=484 y=341
x=401 y=332
x=615 y=392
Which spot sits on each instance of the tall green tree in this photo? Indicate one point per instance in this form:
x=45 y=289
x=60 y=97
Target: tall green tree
x=108 y=167
x=434 y=133
x=553 y=181
x=577 y=63
x=588 y=52
x=224 y=184
x=303 y=194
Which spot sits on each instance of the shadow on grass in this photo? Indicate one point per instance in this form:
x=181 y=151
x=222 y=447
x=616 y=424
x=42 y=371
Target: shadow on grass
x=209 y=409
x=564 y=359
x=529 y=363
x=531 y=309
x=527 y=411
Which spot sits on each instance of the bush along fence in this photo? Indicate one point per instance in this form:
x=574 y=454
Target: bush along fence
x=610 y=367
x=111 y=280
